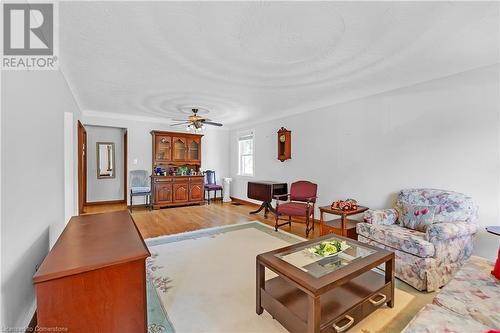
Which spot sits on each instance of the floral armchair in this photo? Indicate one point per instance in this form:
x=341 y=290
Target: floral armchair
x=431 y=232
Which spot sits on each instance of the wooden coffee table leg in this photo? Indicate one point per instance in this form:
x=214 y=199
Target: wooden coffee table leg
x=313 y=314
x=389 y=277
x=260 y=270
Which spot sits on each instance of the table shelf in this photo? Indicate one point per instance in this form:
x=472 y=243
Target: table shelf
x=335 y=226
x=290 y=304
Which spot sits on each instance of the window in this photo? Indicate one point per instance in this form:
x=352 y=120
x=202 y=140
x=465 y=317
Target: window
x=245 y=154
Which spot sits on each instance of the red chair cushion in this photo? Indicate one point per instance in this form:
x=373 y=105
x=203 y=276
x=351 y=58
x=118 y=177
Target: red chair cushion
x=292 y=209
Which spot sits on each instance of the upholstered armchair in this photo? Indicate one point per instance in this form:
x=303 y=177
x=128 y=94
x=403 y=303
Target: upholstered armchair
x=431 y=232
x=302 y=199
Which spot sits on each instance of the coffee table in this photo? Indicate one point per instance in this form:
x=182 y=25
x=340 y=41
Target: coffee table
x=314 y=294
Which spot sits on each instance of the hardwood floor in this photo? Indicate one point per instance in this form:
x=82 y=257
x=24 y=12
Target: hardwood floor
x=168 y=221
x=105 y=208
x=175 y=220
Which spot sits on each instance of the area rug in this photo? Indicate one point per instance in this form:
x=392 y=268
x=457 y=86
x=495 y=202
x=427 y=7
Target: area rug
x=204 y=281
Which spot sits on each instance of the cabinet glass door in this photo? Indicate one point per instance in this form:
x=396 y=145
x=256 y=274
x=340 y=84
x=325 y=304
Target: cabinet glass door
x=194 y=150
x=179 y=149
x=163 y=151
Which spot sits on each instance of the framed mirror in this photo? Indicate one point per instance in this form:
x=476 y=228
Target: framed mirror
x=105 y=160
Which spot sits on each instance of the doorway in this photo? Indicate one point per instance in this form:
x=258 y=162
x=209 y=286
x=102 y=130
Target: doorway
x=102 y=169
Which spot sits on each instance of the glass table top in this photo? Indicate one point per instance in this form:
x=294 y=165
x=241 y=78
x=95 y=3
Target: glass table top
x=316 y=265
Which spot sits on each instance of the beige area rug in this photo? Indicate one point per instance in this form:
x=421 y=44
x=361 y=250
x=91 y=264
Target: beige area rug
x=206 y=281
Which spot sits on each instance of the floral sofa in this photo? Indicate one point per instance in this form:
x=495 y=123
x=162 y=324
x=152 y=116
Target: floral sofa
x=431 y=232
x=469 y=303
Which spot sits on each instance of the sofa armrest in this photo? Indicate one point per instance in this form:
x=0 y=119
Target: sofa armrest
x=381 y=216
x=449 y=230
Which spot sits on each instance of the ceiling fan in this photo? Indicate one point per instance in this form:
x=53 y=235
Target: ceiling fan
x=195 y=122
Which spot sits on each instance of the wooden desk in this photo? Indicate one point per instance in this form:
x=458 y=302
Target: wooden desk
x=265 y=191
x=341 y=226
x=94 y=278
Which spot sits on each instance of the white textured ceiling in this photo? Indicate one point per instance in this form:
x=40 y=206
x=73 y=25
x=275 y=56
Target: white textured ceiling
x=248 y=61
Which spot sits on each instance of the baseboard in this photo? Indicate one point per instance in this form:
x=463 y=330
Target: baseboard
x=109 y=202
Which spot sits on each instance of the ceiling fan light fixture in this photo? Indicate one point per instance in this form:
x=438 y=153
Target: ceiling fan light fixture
x=196 y=123
x=196 y=127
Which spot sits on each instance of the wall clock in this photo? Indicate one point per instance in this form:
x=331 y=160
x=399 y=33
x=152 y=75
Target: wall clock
x=284 y=144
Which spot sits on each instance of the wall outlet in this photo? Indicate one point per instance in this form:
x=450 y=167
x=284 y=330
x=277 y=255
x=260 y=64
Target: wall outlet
x=135 y=161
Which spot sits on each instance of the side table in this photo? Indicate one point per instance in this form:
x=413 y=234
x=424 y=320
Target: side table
x=341 y=226
x=495 y=230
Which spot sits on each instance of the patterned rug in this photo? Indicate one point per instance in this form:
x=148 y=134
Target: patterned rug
x=204 y=281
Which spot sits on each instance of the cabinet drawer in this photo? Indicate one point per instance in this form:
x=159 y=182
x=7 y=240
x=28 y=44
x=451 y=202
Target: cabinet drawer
x=377 y=300
x=162 y=180
x=361 y=311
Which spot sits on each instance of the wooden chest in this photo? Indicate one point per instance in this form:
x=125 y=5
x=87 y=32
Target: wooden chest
x=94 y=278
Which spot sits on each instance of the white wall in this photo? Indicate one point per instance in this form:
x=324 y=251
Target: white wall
x=214 y=154
x=439 y=134
x=69 y=166
x=32 y=177
x=104 y=189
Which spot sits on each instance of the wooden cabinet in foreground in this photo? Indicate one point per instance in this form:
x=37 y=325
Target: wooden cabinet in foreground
x=94 y=278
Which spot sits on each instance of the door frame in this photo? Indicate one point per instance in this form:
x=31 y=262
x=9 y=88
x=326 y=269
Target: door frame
x=125 y=166
x=82 y=168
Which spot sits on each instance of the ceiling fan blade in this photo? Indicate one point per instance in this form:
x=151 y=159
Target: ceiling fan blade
x=184 y=123
x=212 y=123
x=178 y=119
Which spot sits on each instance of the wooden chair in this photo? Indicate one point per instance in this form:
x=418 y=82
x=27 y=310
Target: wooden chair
x=211 y=185
x=302 y=196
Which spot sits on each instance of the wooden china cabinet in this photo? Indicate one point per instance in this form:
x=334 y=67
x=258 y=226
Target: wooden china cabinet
x=176 y=178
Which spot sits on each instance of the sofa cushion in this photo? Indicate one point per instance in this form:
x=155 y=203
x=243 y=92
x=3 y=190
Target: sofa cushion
x=397 y=237
x=474 y=293
x=450 y=206
x=417 y=217
x=445 y=231
x=432 y=318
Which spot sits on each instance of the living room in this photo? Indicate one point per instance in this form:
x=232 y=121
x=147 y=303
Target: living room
x=384 y=115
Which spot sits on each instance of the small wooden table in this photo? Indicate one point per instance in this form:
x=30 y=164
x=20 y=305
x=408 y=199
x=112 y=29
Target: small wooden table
x=265 y=191
x=341 y=226
x=313 y=294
